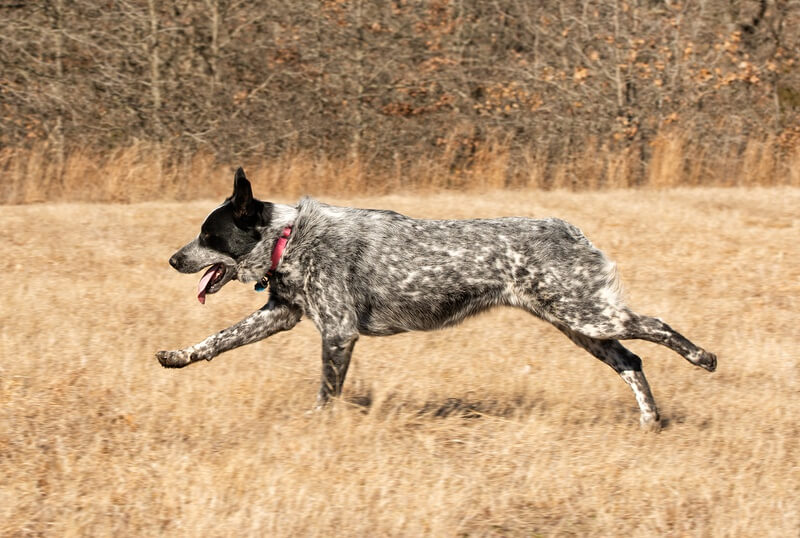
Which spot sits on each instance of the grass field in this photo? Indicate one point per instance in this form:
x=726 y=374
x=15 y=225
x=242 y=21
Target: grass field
x=499 y=427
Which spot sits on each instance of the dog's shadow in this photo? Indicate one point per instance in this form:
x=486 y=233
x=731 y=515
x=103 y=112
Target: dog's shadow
x=511 y=408
x=465 y=407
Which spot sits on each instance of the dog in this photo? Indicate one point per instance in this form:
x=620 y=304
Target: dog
x=377 y=272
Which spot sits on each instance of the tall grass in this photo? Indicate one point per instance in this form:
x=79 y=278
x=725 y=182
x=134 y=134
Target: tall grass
x=147 y=171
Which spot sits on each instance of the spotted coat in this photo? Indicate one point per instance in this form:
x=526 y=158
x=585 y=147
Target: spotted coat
x=376 y=272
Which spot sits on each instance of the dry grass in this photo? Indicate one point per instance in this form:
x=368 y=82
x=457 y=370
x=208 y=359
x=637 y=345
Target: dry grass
x=499 y=427
x=146 y=171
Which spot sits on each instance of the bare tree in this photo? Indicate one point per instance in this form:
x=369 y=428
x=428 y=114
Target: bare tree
x=395 y=81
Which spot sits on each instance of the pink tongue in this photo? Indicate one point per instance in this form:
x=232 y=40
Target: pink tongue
x=203 y=284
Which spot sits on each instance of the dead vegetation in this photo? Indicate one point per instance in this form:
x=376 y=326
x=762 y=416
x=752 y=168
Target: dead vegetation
x=499 y=427
x=148 y=100
x=146 y=171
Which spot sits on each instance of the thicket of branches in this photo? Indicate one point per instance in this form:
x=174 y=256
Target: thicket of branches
x=394 y=81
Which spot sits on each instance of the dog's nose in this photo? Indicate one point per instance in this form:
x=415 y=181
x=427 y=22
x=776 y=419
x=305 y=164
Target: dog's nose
x=173 y=261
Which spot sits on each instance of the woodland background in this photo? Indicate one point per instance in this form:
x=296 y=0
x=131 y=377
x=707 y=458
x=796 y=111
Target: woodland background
x=436 y=109
x=138 y=99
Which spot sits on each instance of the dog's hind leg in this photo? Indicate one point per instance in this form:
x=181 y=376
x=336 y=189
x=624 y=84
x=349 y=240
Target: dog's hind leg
x=628 y=366
x=601 y=314
x=655 y=330
x=604 y=321
x=336 y=353
x=272 y=318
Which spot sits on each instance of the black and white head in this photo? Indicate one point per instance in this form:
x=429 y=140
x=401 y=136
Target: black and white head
x=227 y=237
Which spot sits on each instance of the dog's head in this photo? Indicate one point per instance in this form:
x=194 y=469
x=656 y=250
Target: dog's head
x=227 y=236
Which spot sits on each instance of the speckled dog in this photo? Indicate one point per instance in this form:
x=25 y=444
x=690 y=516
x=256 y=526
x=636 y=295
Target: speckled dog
x=357 y=271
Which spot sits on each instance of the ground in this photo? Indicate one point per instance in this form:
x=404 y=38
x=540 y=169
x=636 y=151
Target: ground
x=499 y=427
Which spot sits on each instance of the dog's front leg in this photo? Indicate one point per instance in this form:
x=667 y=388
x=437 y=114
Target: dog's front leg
x=272 y=318
x=336 y=352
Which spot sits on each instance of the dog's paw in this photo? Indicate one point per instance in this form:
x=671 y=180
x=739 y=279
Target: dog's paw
x=708 y=361
x=174 y=359
x=651 y=424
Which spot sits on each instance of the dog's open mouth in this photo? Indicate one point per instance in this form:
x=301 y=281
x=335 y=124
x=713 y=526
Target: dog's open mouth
x=213 y=275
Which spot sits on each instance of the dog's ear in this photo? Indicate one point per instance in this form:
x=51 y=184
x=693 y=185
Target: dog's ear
x=242 y=197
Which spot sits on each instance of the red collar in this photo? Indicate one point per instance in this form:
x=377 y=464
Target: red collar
x=277 y=252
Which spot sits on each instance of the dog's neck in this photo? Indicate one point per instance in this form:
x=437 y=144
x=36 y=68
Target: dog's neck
x=282 y=216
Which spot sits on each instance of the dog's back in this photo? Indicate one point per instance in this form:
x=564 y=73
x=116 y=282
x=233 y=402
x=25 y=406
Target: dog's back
x=406 y=274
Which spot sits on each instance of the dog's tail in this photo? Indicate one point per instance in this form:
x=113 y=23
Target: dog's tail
x=612 y=288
